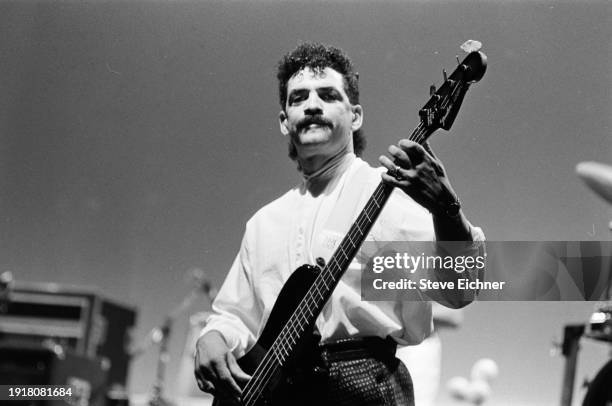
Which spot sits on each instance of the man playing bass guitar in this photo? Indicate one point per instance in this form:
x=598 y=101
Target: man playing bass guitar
x=353 y=361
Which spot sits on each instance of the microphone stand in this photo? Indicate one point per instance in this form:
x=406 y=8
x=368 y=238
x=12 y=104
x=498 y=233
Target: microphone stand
x=161 y=335
x=157 y=397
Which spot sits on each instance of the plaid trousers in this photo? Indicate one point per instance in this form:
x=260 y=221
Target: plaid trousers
x=355 y=372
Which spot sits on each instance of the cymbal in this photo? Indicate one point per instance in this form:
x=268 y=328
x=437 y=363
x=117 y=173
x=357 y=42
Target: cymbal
x=598 y=177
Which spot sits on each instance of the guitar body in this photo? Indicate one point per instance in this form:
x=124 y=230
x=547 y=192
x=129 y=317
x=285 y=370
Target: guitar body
x=281 y=390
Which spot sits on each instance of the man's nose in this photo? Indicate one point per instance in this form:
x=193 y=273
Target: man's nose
x=313 y=105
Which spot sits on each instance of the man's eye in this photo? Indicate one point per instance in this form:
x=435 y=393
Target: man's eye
x=329 y=95
x=296 y=99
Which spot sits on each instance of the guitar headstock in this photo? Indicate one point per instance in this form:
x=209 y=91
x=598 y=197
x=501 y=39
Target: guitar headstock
x=442 y=108
x=474 y=66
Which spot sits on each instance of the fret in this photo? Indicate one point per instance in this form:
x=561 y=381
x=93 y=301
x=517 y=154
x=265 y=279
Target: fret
x=310 y=312
x=321 y=295
x=283 y=350
x=311 y=299
x=357 y=226
x=342 y=250
x=279 y=358
x=286 y=340
x=302 y=316
x=286 y=354
x=351 y=240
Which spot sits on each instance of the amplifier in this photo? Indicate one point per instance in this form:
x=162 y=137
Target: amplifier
x=77 y=318
x=25 y=364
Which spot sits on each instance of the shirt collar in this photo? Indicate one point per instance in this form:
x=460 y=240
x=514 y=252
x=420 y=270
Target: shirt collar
x=335 y=167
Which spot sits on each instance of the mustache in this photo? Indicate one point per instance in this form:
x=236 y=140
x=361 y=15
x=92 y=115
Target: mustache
x=318 y=120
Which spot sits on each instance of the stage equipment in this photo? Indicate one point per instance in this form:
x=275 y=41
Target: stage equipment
x=161 y=334
x=80 y=320
x=48 y=363
x=599 y=178
x=599 y=328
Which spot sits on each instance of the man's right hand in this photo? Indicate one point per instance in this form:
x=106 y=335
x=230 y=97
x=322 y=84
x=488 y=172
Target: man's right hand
x=216 y=369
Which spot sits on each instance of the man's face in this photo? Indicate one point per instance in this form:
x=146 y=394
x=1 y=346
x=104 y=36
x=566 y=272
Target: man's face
x=318 y=115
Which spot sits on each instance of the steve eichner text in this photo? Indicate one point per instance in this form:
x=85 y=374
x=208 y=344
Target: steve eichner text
x=411 y=263
x=426 y=284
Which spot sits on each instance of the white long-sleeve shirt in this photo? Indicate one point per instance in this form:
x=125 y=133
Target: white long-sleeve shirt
x=295 y=229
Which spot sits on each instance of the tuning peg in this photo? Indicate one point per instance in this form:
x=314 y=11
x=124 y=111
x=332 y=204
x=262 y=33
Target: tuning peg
x=444 y=74
x=457 y=58
x=432 y=90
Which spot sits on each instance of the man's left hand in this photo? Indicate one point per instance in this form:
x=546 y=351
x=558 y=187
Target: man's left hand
x=420 y=175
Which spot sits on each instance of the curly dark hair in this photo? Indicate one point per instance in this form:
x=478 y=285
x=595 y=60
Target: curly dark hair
x=319 y=56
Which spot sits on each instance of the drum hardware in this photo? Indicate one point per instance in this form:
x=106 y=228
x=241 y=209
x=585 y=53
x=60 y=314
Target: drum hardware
x=598 y=177
x=569 y=349
x=600 y=326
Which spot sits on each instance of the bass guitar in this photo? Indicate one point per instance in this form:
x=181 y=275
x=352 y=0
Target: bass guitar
x=288 y=330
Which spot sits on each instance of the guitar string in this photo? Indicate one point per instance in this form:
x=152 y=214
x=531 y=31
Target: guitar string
x=419 y=135
x=291 y=328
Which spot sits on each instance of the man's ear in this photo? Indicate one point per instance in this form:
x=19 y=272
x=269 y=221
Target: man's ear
x=357 y=117
x=282 y=121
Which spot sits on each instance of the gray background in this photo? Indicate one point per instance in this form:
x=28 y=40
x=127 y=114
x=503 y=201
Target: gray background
x=136 y=138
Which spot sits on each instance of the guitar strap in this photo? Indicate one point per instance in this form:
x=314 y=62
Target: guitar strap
x=346 y=209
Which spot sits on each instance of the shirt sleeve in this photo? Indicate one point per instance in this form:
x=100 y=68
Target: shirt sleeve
x=236 y=312
x=469 y=265
x=404 y=220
